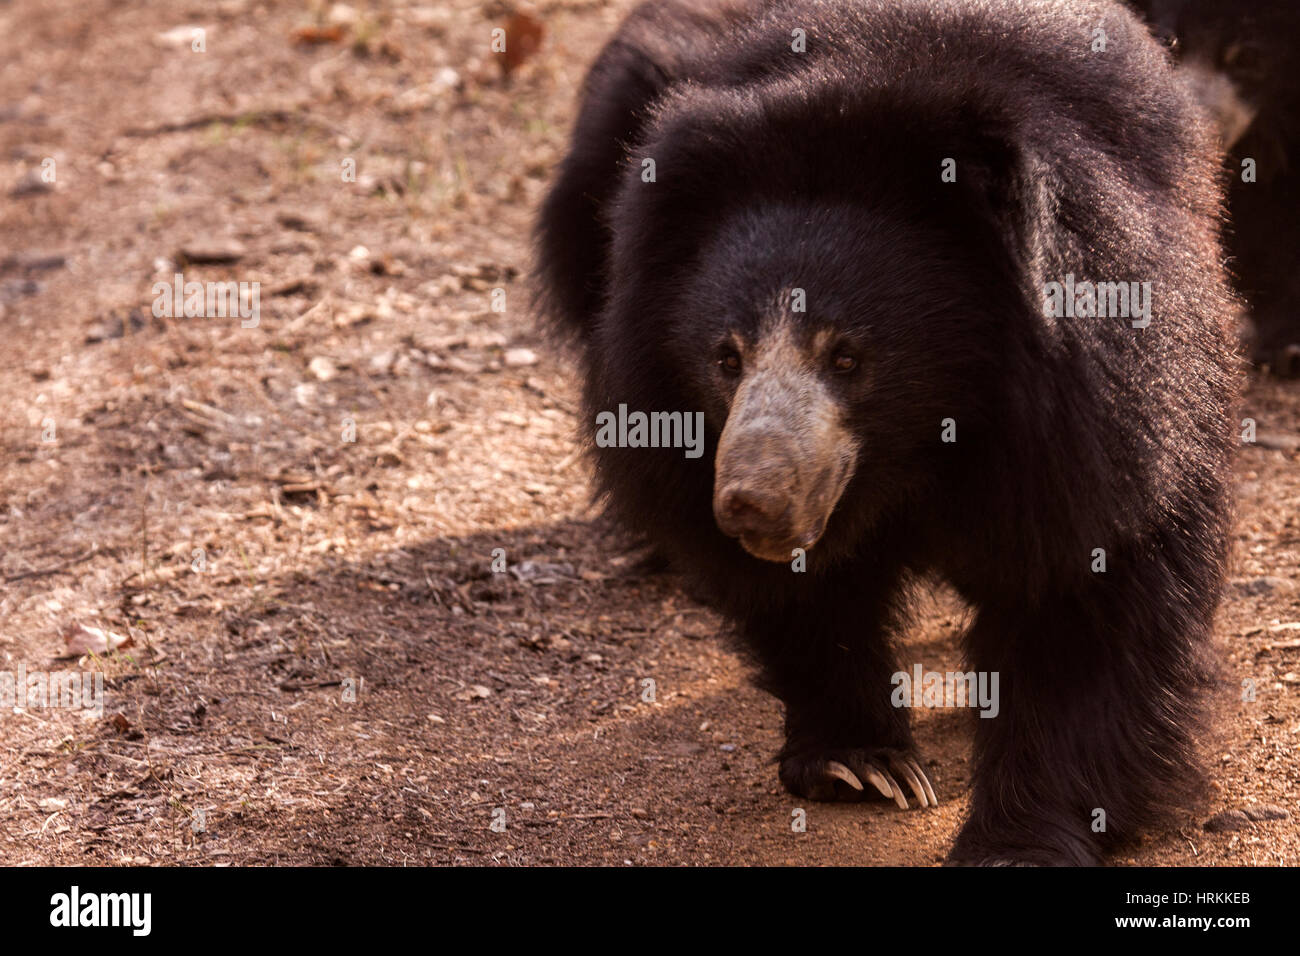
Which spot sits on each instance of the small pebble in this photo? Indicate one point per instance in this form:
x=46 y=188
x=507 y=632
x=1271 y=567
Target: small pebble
x=1226 y=821
x=323 y=368
x=519 y=358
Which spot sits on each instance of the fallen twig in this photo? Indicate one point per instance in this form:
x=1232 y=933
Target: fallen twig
x=53 y=569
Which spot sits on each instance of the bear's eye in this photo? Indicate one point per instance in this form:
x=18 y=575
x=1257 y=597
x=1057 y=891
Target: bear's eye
x=844 y=362
x=729 y=361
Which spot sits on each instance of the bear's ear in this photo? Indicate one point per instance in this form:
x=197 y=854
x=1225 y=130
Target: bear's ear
x=957 y=159
x=976 y=179
x=997 y=187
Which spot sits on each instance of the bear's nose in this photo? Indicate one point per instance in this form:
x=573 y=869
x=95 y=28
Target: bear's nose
x=746 y=510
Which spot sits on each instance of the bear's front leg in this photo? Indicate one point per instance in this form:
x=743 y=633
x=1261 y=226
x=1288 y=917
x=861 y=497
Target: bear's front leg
x=1099 y=722
x=830 y=662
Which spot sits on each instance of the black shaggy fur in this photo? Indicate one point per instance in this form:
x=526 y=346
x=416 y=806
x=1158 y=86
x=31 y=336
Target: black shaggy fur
x=1256 y=46
x=821 y=170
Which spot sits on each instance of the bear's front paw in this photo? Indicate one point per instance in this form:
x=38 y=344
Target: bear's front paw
x=841 y=775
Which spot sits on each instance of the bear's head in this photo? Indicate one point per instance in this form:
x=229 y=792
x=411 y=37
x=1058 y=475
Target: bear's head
x=837 y=347
x=831 y=305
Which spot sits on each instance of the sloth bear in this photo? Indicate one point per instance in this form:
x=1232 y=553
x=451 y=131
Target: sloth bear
x=1243 y=61
x=944 y=282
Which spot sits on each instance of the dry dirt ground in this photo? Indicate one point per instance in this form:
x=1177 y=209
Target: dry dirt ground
x=321 y=666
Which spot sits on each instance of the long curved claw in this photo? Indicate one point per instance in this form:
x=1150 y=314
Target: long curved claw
x=903 y=767
x=929 y=790
x=896 y=792
x=836 y=769
x=879 y=781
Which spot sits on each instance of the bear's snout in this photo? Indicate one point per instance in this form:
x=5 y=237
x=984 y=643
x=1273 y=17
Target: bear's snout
x=753 y=510
x=782 y=463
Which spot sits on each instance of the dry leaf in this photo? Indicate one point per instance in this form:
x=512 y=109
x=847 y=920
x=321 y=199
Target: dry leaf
x=80 y=639
x=315 y=36
x=523 y=37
